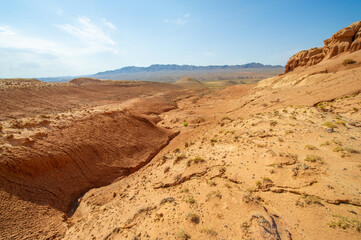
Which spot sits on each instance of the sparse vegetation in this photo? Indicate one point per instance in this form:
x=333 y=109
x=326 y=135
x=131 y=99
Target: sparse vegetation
x=209 y=231
x=195 y=160
x=273 y=123
x=325 y=143
x=182 y=234
x=338 y=149
x=185 y=124
x=329 y=125
x=340 y=221
x=179 y=158
x=337 y=142
x=193 y=217
x=311 y=147
x=313 y=158
x=184 y=190
x=308 y=200
x=166 y=200
x=213 y=194
x=190 y=200
x=348 y=61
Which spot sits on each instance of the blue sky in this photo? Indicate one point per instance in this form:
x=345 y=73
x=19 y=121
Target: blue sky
x=46 y=38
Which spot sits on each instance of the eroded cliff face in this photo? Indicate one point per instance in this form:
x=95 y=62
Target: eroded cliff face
x=43 y=181
x=346 y=40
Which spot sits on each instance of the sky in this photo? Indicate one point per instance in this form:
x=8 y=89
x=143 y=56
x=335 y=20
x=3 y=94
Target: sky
x=49 y=38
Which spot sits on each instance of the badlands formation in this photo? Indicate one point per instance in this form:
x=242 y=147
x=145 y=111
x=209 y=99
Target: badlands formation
x=97 y=159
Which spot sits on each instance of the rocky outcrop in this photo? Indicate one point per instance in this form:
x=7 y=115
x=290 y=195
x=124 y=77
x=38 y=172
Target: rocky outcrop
x=346 y=40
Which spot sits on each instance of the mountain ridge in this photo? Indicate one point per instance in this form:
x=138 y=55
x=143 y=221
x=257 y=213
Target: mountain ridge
x=135 y=73
x=176 y=67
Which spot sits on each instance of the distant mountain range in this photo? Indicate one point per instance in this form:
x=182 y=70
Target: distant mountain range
x=165 y=72
x=174 y=67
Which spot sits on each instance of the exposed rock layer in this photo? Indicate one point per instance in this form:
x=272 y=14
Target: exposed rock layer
x=346 y=40
x=47 y=177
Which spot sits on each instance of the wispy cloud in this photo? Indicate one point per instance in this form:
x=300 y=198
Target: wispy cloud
x=109 y=24
x=52 y=56
x=90 y=34
x=12 y=39
x=180 y=21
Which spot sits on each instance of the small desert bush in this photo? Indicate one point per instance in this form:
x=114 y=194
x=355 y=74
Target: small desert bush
x=329 y=125
x=184 y=190
x=348 y=61
x=195 y=160
x=311 y=147
x=344 y=223
x=209 y=231
x=190 y=200
x=313 y=158
x=179 y=158
x=193 y=217
x=185 y=124
x=338 y=149
x=325 y=143
x=182 y=234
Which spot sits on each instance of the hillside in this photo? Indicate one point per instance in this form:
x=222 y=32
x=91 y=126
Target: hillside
x=129 y=160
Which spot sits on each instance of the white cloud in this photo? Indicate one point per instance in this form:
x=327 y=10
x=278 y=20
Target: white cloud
x=109 y=24
x=90 y=34
x=12 y=39
x=23 y=51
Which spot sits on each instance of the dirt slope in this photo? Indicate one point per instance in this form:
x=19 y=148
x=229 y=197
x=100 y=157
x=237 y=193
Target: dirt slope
x=243 y=168
x=277 y=161
x=48 y=161
x=30 y=99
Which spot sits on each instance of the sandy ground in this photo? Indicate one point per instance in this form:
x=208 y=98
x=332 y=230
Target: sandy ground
x=280 y=160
